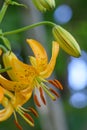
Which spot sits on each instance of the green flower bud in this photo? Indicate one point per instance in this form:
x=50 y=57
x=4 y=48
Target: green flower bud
x=44 y=5
x=48 y=4
x=39 y=6
x=66 y=41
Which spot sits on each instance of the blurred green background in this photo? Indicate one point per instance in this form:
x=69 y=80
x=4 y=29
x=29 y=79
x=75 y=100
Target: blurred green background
x=74 y=19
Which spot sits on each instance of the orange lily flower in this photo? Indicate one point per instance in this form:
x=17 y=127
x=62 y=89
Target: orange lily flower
x=12 y=104
x=35 y=75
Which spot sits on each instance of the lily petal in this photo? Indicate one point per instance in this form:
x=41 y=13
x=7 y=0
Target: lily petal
x=40 y=54
x=1 y=93
x=0 y=51
x=23 y=96
x=13 y=85
x=50 y=67
x=20 y=71
x=7 y=111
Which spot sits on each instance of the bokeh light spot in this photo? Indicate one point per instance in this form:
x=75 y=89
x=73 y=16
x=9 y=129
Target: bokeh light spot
x=78 y=100
x=77 y=74
x=63 y=14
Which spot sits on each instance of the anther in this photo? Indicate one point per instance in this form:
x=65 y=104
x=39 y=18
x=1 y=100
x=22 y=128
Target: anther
x=59 y=84
x=42 y=96
x=56 y=83
x=53 y=83
x=29 y=117
x=54 y=92
x=18 y=125
x=33 y=111
x=36 y=100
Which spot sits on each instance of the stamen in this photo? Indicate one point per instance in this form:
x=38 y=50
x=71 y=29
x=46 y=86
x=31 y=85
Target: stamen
x=42 y=96
x=33 y=111
x=15 y=116
x=56 y=83
x=54 y=92
x=59 y=84
x=36 y=100
x=48 y=92
x=23 y=109
x=53 y=83
x=25 y=117
x=29 y=117
x=18 y=125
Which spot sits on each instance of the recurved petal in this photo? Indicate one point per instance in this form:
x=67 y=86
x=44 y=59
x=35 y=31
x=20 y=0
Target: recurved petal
x=33 y=61
x=23 y=96
x=50 y=67
x=20 y=71
x=7 y=111
x=13 y=85
x=7 y=60
x=40 y=54
x=1 y=93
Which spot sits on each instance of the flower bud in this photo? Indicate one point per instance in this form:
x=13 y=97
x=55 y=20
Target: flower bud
x=44 y=5
x=66 y=41
x=39 y=6
x=48 y=4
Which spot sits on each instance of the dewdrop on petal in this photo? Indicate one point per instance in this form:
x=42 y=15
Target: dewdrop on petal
x=66 y=41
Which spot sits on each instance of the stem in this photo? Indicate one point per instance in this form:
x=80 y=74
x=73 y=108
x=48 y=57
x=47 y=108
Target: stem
x=28 y=27
x=3 y=10
x=3 y=48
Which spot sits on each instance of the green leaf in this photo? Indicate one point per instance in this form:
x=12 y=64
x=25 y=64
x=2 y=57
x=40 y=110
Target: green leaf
x=18 y=4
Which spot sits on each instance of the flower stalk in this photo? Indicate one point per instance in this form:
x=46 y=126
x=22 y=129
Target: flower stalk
x=28 y=27
x=4 y=9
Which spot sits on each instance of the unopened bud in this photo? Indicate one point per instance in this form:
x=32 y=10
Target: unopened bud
x=44 y=5
x=48 y=4
x=66 y=41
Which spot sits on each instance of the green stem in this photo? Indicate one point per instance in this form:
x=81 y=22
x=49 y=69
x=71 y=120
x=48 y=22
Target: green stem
x=3 y=10
x=28 y=27
x=3 y=48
